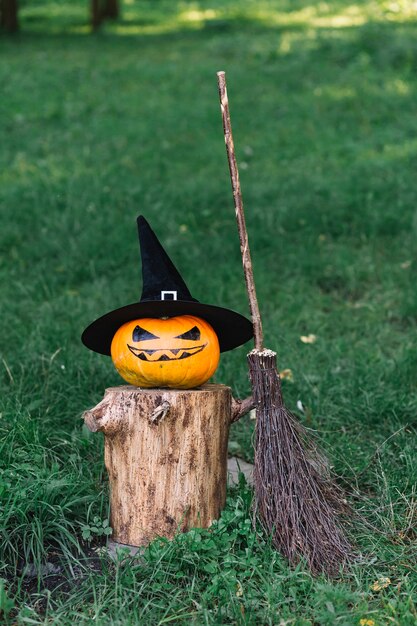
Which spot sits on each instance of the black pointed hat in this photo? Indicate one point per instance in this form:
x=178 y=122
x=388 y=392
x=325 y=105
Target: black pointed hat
x=165 y=294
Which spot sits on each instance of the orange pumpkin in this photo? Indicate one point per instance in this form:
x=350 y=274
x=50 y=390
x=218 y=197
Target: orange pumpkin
x=178 y=352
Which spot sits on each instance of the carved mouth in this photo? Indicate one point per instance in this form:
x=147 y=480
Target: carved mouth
x=163 y=354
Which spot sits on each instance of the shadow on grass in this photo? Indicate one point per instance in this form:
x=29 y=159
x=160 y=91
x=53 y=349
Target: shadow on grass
x=338 y=30
x=159 y=17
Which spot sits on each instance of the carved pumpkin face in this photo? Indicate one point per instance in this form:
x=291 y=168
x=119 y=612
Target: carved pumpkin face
x=178 y=352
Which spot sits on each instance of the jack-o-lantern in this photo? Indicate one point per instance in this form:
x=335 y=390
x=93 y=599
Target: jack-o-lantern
x=179 y=352
x=168 y=338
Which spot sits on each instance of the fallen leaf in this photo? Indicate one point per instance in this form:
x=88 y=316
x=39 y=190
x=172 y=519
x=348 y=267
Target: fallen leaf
x=366 y=622
x=287 y=375
x=308 y=338
x=381 y=583
x=405 y=265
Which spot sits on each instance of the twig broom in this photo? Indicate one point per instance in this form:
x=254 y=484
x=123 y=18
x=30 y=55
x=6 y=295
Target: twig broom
x=295 y=499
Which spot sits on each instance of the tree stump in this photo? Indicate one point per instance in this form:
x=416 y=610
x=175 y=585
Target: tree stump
x=166 y=457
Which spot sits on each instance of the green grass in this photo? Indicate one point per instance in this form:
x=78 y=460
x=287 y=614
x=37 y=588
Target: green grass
x=97 y=128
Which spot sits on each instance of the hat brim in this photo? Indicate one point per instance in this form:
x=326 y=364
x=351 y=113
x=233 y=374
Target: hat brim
x=232 y=329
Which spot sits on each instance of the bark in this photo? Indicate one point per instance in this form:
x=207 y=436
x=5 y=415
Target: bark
x=101 y=10
x=111 y=9
x=9 y=20
x=241 y=407
x=96 y=14
x=166 y=456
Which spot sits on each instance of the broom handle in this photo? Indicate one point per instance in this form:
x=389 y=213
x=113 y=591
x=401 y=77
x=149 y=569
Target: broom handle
x=240 y=216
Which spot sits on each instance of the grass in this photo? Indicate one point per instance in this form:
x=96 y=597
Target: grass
x=94 y=130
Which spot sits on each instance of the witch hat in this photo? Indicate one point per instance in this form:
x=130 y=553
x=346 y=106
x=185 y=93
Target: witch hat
x=165 y=294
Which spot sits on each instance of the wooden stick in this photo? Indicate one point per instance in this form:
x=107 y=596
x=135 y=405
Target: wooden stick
x=240 y=216
x=241 y=407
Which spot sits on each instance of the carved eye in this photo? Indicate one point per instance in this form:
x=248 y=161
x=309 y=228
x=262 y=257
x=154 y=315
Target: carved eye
x=140 y=334
x=192 y=335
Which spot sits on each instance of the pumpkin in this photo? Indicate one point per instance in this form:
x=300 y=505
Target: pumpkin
x=179 y=352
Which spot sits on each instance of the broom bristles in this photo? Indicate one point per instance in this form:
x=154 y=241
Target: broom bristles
x=295 y=499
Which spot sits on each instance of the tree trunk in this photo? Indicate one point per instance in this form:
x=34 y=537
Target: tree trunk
x=166 y=456
x=9 y=15
x=101 y=10
x=111 y=9
x=96 y=14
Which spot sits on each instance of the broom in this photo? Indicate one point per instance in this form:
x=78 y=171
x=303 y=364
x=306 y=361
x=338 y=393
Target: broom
x=296 y=500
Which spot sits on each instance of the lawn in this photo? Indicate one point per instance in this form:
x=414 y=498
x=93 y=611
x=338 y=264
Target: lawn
x=95 y=129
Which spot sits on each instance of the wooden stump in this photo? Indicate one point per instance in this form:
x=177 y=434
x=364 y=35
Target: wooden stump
x=166 y=456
